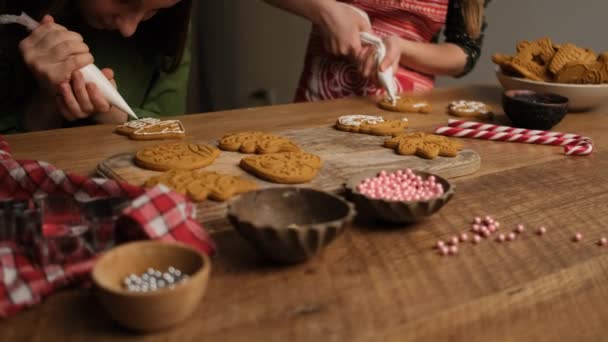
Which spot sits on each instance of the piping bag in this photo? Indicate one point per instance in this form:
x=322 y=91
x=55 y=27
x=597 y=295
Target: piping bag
x=386 y=77
x=91 y=72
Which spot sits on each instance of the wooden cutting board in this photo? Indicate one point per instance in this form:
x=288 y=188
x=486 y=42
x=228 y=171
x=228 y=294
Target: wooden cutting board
x=344 y=154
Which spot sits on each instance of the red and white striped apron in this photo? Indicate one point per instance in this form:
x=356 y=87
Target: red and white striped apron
x=328 y=77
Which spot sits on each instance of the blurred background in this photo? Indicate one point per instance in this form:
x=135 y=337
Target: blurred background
x=247 y=53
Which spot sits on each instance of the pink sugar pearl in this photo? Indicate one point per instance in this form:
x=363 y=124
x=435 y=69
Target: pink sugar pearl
x=440 y=244
x=444 y=251
x=453 y=250
x=501 y=238
x=454 y=240
x=520 y=228
x=577 y=237
x=602 y=241
x=476 y=239
x=477 y=220
x=511 y=236
x=541 y=231
x=464 y=237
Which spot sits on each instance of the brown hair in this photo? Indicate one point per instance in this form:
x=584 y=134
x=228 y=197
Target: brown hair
x=154 y=35
x=472 y=12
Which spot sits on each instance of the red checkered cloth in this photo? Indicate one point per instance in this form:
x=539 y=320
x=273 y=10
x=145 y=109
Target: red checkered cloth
x=157 y=213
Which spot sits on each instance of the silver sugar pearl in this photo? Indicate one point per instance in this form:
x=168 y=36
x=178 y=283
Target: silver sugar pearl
x=171 y=269
x=157 y=274
x=151 y=271
x=161 y=284
x=145 y=276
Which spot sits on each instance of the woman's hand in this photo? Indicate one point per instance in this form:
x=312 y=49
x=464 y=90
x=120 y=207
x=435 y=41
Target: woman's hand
x=52 y=54
x=78 y=99
x=341 y=27
x=367 y=60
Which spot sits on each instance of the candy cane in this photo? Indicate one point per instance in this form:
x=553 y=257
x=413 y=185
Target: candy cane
x=572 y=146
x=495 y=128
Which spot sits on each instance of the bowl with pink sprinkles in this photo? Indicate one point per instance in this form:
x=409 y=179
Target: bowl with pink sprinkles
x=398 y=196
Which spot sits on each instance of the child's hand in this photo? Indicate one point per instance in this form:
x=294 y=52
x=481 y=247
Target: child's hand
x=52 y=53
x=341 y=26
x=78 y=99
x=367 y=60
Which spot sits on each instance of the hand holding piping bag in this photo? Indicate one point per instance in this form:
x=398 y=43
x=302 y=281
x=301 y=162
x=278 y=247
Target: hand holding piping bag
x=50 y=44
x=386 y=77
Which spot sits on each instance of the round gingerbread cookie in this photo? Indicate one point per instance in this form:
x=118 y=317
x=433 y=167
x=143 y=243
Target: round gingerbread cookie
x=181 y=156
x=406 y=105
x=470 y=109
x=352 y=123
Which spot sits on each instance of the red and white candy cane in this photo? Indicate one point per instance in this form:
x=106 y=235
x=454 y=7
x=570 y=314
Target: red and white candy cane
x=573 y=144
x=495 y=128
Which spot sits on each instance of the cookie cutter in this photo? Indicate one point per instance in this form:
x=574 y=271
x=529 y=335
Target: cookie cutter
x=91 y=72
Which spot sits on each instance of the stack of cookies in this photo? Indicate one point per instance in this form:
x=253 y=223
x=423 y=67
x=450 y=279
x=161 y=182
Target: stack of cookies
x=544 y=61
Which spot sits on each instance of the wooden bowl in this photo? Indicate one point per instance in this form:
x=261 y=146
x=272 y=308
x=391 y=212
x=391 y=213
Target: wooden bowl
x=396 y=211
x=290 y=224
x=532 y=110
x=150 y=311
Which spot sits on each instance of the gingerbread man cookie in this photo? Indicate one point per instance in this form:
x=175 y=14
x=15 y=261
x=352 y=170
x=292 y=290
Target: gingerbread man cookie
x=182 y=156
x=368 y=124
x=424 y=145
x=256 y=142
x=152 y=129
x=470 y=109
x=406 y=105
x=199 y=186
x=284 y=168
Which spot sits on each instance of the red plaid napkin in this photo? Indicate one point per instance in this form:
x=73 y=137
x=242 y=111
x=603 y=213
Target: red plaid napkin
x=155 y=214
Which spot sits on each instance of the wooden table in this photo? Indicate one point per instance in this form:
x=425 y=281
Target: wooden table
x=376 y=283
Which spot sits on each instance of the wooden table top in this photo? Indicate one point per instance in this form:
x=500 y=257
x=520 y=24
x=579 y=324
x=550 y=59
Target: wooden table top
x=375 y=283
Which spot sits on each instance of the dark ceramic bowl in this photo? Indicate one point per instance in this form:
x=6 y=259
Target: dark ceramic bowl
x=290 y=224
x=532 y=110
x=402 y=212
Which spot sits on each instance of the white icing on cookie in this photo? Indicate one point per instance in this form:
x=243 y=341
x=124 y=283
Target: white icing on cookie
x=469 y=107
x=357 y=120
x=141 y=123
x=166 y=127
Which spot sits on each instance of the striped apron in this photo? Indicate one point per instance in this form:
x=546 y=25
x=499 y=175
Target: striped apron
x=327 y=77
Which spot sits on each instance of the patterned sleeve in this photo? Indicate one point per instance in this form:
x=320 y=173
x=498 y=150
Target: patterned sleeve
x=456 y=33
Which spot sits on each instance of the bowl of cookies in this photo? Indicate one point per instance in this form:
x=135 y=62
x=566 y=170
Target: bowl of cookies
x=290 y=224
x=574 y=72
x=398 y=196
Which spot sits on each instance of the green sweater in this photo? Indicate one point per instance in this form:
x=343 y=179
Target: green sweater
x=146 y=88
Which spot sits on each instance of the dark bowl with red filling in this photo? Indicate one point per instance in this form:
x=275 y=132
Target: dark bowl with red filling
x=533 y=110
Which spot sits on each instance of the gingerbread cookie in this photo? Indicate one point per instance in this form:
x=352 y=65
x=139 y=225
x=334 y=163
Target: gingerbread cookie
x=368 y=124
x=424 y=145
x=470 y=109
x=199 y=186
x=570 y=53
x=285 y=168
x=182 y=156
x=257 y=142
x=579 y=73
x=406 y=105
x=152 y=129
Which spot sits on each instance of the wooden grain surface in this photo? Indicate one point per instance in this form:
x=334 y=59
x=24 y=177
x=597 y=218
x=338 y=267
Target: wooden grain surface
x=344 y=155
x=381 y=283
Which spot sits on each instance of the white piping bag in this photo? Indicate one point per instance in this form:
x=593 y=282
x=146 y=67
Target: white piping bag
x=386 y=77
x=91 y=72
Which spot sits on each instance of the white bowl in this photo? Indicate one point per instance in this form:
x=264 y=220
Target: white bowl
x=582 y=96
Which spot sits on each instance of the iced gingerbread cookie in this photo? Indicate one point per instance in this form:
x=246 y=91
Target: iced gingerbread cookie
x=257 y=142
x=152 y=129
x=199 y=186
x=284 y=168
x=406 y=105
x=369 y=124
x=470 y=109
x=181 y=156
x=424 y=145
